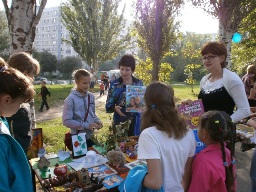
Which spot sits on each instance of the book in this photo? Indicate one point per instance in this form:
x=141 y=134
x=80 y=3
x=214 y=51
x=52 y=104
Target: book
x=135 y=98
x=135 y=163
x=191 y=114
x=101 y=171
x=112 y=181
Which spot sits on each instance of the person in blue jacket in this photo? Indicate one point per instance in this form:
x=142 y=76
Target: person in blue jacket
x=15 y=89
x=116 y=99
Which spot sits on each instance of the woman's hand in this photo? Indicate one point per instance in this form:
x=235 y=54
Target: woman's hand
x=118 y=110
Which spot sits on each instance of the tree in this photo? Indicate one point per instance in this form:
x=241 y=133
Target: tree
x=4 y=35
x=96 y=30
x=23 y=17
x=230 y=14
x=244 y=53
x=69 y=64
x=48 y=62
x=144 y=71
x=155 y=29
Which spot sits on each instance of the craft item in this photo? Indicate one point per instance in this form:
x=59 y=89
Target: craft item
x=116 y=157
x=60 y=170
x=43 y=163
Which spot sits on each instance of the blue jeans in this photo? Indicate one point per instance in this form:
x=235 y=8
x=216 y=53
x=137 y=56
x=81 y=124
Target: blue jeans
x=253 y=172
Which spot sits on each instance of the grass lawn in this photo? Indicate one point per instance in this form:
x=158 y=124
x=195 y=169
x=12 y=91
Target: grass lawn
x=53 y=130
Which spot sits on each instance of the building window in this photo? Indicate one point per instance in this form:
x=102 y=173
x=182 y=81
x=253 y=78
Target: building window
x=53 y=42
x=54 y=20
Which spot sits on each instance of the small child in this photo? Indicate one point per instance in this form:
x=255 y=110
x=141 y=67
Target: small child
x=102 y=88
x=44 y=92
x=214 y=167
x=76 y=106
x=15 y=89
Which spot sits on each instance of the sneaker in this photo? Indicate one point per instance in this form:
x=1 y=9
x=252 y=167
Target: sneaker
x=40 y=110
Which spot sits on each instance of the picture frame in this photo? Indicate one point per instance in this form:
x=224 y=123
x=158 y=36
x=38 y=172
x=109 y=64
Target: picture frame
x=79 y=145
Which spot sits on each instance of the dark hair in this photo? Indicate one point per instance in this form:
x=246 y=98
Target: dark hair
x=161 y=111
x=221 y=129
x=81 y=72
x=127 y=61
x=24 y=62
x=216 y=48
x=14 y=83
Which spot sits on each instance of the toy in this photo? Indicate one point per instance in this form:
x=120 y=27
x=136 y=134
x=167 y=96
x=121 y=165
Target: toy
x=116 y=157
x=60 y=170
x=43 y=163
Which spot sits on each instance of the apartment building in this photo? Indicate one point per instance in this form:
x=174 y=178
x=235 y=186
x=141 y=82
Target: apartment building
x=49 y=34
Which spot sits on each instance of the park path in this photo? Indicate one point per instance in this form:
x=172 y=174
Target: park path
x=55 y=112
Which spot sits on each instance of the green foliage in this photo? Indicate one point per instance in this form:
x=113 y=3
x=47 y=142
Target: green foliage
x=48 y=61
x=189 y=71
x=69 y=64
x=95 y=29
x=243 y=53
x=144 y=71
x=155 y=29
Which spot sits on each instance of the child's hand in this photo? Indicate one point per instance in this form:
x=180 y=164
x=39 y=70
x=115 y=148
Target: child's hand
x=100 y=125
x=93 y=126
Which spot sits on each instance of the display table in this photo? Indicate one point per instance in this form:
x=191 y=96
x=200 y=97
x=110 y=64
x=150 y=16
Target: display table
x=46 y=174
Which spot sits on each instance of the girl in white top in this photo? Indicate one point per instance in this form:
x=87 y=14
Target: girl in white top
x=165 y=142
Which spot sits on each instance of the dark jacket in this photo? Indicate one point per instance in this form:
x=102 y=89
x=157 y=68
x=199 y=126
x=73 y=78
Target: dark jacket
x=44 y=92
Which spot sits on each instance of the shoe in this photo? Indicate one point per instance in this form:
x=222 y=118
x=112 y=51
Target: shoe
x=47 y=109
x=40 y=110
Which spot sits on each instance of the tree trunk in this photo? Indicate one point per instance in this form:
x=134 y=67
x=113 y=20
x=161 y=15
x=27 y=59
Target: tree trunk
x=23 y=17
x=226 y=37
x=155 y=76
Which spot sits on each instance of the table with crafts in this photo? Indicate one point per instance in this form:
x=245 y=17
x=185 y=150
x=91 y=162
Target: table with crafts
x=62 y=172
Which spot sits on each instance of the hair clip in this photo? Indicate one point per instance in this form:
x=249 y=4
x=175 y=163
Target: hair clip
x=3 y=69
x=153 y=106
x=225 y=164
x=233 y=161
x=217 y=121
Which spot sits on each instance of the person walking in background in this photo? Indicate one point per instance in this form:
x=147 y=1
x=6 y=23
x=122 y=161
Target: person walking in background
x=15 y=89
x=116 y=99
x=112 y=78
x=249 y=80
x=79 y=103
x=165 y=142
x=44 y=93
x=21 y=123
x=102 y=88
x=214 y=167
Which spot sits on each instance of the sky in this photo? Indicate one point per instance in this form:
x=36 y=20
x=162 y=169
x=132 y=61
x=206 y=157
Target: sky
x=192 y=19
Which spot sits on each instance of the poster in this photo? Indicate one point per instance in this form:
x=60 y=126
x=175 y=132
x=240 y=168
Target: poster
x=191 y=113
x=135 y=98
x=79 y=144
